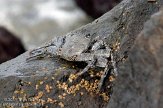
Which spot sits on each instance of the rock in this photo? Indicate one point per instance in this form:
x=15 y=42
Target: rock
x=10 y=45
x=37 y=21
x=140 y=80
x=52 y=82
x=96 y=8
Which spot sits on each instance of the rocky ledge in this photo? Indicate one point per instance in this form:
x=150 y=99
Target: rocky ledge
x=52 y=82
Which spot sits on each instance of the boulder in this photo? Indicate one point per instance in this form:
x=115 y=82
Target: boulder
x=96 y=8
x=140 y=83
x=52 y=82
x=10 y=45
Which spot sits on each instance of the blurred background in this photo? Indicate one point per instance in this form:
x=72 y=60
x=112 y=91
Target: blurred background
x=26 y=24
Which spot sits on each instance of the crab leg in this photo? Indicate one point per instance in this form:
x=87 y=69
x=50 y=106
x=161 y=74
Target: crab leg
x=115 y=72
x=90 y=64
x=106 y=70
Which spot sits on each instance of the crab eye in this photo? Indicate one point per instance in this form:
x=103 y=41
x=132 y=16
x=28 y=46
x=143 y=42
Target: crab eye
x=87 y=35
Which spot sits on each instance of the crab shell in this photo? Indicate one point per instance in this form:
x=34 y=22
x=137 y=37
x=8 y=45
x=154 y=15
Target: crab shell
x=73 y=47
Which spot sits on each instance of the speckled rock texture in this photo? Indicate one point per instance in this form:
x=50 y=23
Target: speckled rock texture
x=140 y=80
x=51 y=82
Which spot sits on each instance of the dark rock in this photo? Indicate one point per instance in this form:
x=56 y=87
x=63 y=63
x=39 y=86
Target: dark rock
x=20 y=78
x=96 y=8
x=140 y=80
x=10 y=45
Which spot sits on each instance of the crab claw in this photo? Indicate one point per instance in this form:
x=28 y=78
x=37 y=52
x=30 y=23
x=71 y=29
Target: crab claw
x=37 y=53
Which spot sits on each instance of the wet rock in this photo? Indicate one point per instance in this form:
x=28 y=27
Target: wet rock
x=52 y=81
x=140 y=80
x=10 y=45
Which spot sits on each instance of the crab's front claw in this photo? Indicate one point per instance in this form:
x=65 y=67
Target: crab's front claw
x=37 y=53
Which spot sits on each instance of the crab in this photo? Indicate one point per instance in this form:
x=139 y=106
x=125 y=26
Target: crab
x=95 y=53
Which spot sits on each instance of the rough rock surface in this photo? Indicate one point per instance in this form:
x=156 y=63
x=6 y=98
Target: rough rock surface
x=48 y=81
x=140 y=83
